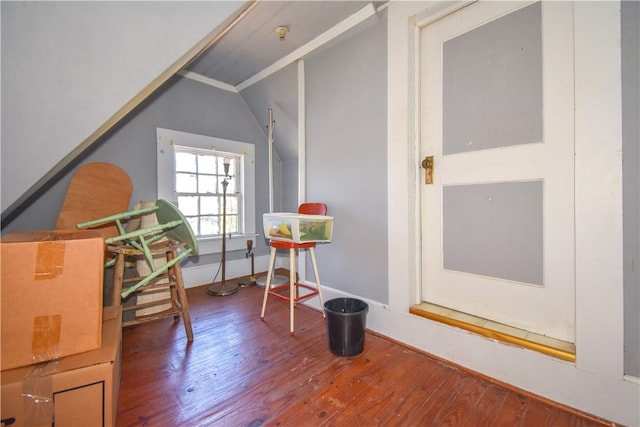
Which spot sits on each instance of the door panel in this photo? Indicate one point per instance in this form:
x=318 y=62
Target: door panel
x=504 y=240
x=500 y=64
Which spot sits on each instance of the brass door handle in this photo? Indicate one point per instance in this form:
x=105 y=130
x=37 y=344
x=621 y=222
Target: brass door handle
x=427 y=164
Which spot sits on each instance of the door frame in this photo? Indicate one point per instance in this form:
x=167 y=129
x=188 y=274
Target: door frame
x=598 y=266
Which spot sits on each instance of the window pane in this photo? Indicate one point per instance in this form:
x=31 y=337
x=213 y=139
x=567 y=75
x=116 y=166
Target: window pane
x=206 y=183
x=185 y=162
x=186 y=183
x=232 y=166
x=231 y=188
x=193 y=222
x=221 y=161
x=209 y=205
x=203 y=174
x=232 y=205
x=209 y=225
x=206 y=164
x=188 y=205
x=232 y=224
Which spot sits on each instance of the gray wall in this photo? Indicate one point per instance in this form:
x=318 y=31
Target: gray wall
x=346 y=162
x=631 y=182
x=185 y=105
x=279 y=92
x=346 y=133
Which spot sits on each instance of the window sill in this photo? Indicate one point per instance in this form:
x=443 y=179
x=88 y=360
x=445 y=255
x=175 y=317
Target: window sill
x=235 y=242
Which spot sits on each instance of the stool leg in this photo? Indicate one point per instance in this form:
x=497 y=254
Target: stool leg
x=176 y=271
x=315 y=270
x=292 y=287
x=118 y=278
x=272 y=260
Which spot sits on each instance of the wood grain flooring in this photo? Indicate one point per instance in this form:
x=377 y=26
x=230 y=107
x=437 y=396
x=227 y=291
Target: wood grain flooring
x=240 y=371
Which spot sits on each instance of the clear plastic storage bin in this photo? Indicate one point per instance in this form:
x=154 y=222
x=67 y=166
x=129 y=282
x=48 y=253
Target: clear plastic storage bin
x=297 y=228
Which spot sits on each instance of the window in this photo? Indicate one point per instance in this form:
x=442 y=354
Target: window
x=191 y=174
x=200 y=186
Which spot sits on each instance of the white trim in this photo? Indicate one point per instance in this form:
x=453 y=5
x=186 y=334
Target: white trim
x=632 y=379
x=198 y=275
x=204 y=274
x=302 y=155
x=302 y=134
x=329 y=293
x=206 y=80
x=314 y=44
x=598 y=191
x=235 y=242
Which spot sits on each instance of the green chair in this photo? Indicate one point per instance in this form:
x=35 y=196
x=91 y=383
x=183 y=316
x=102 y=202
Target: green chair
x=173 y=238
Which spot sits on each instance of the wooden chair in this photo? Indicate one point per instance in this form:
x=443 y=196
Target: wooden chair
x=293 y=285
x=174 y=239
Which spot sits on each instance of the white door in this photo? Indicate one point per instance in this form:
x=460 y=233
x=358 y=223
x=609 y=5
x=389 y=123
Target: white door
x=496 y=102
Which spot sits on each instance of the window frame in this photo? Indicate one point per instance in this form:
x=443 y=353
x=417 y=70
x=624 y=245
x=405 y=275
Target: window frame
x=168 y=139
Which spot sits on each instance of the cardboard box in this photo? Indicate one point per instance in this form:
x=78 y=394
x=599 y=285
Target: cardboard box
x=50 y=294
x=297 y=228
x=78 y=390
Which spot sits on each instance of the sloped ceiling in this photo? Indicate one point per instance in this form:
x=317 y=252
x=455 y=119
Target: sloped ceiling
x=253 y=44
x=71 y=70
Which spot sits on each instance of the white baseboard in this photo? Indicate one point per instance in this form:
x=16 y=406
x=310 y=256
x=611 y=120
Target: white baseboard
x=632 y=378
x=204 y=274
x=329 y=293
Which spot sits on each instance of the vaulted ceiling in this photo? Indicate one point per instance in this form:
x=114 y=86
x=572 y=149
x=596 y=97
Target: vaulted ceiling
x=253 y=43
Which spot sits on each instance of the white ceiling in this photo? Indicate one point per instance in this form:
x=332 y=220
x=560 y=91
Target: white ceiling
x=253 y=43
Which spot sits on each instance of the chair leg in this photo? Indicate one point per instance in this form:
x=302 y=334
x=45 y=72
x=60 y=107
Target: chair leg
x=173 y=289
x=182 y=297
x=118 y=279
x=173 y=294
x=292 y=287
x=173 y=286
x=315 y=270
x=267 y=285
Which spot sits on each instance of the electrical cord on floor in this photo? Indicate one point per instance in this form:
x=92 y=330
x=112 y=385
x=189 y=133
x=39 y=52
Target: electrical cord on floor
x=217 y=272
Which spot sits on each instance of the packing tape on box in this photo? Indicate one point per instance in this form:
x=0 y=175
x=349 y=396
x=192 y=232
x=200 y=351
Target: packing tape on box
x=49 y=260
x=45 y=342
x=37 y=395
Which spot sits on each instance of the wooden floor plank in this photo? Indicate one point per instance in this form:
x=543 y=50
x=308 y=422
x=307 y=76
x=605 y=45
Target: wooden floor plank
x=488 y=407
x=417 y=393
x=513 y=410
x=462 y=402
x=241 y=371
x=538 y=414
x=430 y=408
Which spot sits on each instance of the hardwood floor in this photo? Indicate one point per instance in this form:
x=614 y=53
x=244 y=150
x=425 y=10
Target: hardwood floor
x=240 y=371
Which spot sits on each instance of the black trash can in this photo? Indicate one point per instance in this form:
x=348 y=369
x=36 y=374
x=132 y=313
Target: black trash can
x=346 y=320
